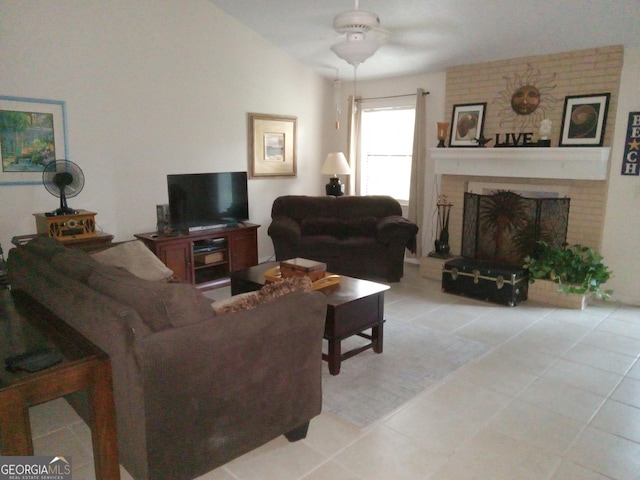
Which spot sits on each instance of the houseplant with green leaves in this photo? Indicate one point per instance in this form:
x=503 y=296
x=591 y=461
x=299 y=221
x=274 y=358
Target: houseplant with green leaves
x=576 y=269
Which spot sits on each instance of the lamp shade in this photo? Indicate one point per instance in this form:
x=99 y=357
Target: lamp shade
x=336 y=164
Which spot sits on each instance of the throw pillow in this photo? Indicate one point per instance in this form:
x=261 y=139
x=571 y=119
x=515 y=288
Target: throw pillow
x=269 y=292
x=160 y=305
x=136 y=258
x=74 y=263
x=237 y=303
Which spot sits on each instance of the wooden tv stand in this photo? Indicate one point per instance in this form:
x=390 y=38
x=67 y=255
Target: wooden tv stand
x=228 y=249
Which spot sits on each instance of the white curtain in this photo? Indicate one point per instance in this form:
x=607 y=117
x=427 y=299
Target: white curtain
x=353 y=145
x=418 y=167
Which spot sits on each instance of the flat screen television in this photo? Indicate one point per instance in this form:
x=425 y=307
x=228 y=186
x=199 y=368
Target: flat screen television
x=207 y=200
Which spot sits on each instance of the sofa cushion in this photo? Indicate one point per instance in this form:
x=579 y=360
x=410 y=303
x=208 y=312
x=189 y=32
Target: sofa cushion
x=321 y=226
x=136 y=258
x=160 y=305
x=75 y=264
x=360 y=227
x=380 y=206
x=300 y=207
x=270 y=291
x=354 y=227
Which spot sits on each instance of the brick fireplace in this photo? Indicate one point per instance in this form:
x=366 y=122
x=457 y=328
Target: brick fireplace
x=580 y=173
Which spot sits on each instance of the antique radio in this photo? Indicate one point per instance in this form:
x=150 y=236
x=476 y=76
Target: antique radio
x=66 y=227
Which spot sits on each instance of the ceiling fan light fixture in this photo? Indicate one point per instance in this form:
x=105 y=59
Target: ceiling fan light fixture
x=356 y=49
x=355 y=21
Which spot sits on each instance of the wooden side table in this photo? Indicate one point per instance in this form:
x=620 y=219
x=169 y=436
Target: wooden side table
x=26 y=325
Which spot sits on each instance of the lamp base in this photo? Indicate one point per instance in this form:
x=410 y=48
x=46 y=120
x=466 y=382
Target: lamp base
x=334 y=187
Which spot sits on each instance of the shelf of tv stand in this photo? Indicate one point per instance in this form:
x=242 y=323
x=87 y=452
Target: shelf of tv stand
x=177 y=252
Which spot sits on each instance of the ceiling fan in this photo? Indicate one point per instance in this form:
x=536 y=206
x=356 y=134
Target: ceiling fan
x=363 y=35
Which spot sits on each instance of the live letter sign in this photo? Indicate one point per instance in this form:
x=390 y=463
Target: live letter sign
x=632 y=146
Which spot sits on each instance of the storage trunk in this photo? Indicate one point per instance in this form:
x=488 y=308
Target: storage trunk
x=485 y=280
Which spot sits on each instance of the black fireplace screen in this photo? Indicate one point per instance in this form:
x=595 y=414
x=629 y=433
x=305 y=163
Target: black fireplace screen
x=505 y=226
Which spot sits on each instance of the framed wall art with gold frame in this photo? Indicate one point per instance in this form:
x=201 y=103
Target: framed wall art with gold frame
x=272 y=145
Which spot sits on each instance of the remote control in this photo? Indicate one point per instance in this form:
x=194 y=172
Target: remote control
x=33 y=361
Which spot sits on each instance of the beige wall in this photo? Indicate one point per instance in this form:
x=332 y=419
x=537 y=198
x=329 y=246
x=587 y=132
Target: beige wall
x=581 y=72
x=153 y=88
x=622 y=221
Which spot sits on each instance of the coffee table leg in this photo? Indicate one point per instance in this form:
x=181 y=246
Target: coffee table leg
x=334 y=356
x=377 y=335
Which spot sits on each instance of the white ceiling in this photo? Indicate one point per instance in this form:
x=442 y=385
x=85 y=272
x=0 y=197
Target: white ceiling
x=431 y=35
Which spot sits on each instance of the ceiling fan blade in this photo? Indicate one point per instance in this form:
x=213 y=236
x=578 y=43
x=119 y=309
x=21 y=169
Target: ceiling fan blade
x=380 y=35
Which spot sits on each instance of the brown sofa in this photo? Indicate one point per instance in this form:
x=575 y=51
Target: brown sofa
x=192 y=389
x=362 y=237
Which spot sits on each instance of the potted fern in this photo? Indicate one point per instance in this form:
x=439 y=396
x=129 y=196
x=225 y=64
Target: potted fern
x=573 y=269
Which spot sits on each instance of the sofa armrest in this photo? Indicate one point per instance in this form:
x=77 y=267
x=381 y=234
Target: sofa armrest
x=285 y=228
x=234 y=381
x=397 y=228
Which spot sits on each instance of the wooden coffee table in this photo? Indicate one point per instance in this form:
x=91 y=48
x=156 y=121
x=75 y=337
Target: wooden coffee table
x=353 y=307
x=26 y=325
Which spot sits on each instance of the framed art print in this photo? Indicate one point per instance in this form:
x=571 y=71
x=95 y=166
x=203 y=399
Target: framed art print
x=466 y=124
x=583 y=120
x=272 y=146
x=32 y=134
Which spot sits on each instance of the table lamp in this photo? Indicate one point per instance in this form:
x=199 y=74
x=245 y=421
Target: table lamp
x=335 y=164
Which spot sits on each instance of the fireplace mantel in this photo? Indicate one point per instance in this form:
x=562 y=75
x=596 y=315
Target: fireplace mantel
x=573 y=163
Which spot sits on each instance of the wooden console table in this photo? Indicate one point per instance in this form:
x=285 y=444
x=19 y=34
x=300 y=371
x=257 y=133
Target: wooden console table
x=26 y=325
x=100 y=240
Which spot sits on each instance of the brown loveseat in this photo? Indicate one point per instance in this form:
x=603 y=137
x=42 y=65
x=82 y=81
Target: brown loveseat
x=192 y=389
x=363 y=237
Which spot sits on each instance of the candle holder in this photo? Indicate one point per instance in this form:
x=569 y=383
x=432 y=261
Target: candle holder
x=443 y=129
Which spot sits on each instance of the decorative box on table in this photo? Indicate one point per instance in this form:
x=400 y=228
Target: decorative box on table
x=301 y=267
x=485 y=280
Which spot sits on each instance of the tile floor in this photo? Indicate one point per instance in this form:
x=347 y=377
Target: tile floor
x=557 y=397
